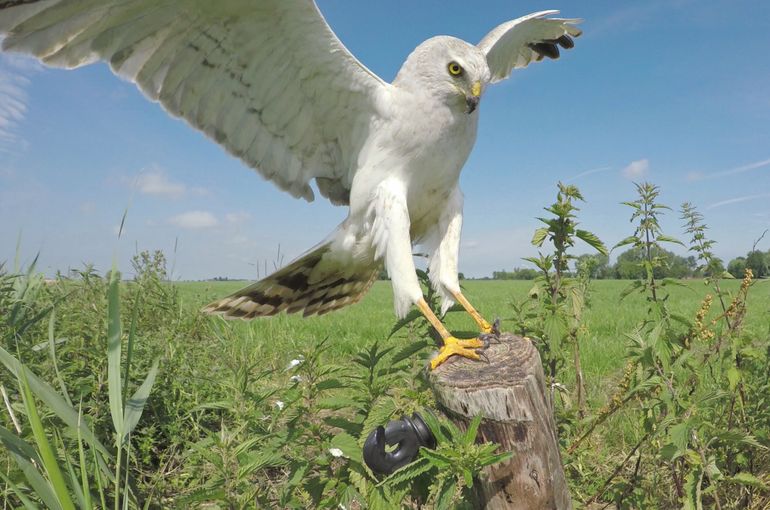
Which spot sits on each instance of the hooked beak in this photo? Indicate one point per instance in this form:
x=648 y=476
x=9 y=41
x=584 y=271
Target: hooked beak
x=472 y=101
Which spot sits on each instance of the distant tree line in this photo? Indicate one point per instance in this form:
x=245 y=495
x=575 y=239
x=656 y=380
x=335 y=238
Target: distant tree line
x=628 y=266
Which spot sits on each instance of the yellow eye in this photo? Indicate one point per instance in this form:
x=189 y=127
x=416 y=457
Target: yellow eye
x=455 y=69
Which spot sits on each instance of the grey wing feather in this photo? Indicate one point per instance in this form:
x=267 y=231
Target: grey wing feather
x=517 y=43
x=266 y=79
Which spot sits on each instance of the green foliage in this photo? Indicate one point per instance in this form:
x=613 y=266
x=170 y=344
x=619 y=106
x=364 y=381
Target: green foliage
x=673 y=410
x=686 y=389
x=554 y=314
x=46 y=458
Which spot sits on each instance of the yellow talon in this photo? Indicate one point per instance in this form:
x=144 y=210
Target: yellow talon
x=484 y=326
x=454 y=346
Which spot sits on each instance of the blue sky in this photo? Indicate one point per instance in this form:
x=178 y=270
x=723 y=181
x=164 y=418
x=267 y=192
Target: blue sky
x=674 y=92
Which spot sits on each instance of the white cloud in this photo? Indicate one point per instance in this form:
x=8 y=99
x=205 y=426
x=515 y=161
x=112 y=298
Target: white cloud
x=194 y=220
x=588 y=172
x=87 y=207
x=14 y=80
x=156 y=182
x=636 y=169
x=237 y=217
x=699 y=176
x=737 y=200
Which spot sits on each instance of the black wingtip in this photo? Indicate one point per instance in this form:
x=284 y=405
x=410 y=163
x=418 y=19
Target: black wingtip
x=565 y=42
x=546 y=49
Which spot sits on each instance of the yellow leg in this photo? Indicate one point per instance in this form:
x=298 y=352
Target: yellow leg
x=452 y=345
x=484 y=325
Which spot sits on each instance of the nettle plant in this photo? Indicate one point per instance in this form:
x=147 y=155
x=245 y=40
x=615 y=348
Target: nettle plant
x=699 y=441
x=554 y=315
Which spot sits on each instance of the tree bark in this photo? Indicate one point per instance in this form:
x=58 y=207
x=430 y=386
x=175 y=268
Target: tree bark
x=509 y=392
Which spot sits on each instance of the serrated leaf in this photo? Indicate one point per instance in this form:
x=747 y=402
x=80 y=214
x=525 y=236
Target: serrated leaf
x=408 y=472
x=748 y=479
x=497 y=457
x=349 y=446
x=668 y=239
x=435 y=458
x=680 y=436
x=473 y=428
x=434 y=425
x=330 y=384
x=446 y=494
x=540 y=236
x=409 y=351
x=625 y=242
x=412 y=316
x=339 y=402
x=592 y=240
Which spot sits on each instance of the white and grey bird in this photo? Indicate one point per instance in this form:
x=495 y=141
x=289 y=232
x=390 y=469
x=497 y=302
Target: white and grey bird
x=270 y=82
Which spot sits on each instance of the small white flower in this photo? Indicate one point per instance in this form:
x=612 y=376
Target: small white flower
x=295 y=362
x=295 y=378
x=336 y=452
x=280 y=405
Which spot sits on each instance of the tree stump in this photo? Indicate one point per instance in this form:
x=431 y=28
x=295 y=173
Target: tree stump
x=510 y=394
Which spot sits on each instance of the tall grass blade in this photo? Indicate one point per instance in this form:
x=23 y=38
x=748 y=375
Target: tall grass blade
x=135 y=405
x=74 y=482
x=28 y=504
x=53 y=400
x=114 y=386
x=130 y=344
x=27 y=459
x=52 y=350
x=84 y=483
x=50 y=463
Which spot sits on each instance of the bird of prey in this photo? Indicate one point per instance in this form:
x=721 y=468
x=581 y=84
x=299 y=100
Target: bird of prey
x=270 y=82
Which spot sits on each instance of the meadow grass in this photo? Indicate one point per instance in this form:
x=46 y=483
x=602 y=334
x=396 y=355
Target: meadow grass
x=603 y=343
x=213 y=421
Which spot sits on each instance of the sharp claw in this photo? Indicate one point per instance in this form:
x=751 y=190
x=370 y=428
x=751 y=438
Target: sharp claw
x=496 y=327
x=483 y=356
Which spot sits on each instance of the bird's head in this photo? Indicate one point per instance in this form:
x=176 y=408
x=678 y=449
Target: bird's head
x=447 y=68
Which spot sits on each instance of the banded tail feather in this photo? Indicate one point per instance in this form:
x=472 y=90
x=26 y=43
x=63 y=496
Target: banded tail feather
x=298 y=288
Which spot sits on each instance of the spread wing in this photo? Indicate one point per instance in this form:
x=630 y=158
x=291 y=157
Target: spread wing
x=266 y=79
x=518 y=42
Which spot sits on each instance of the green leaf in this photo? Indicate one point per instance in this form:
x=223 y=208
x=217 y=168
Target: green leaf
x=626 y=242
x=668 y=239
x=25 y=455
x=49 y=460
x=435 y=426
x=540 y=236
x=473 y=428
x=330 y=384
x=495 y=458
x=54 y=401
x=408 y=472
x=693 y=499
x=733 y=377
x=680 y=436
x=437 y=459
x=28 y=504
x=339 y=402
x=114 y=387
x=412 y=316
x=135 y=405
x=592 y=240
x=348 y=445
x=749 y=480
x=446 y=494
x=409 y=350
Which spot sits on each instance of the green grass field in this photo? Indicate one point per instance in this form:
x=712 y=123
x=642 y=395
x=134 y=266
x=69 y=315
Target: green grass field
x=607 y=320
x=215 y=433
